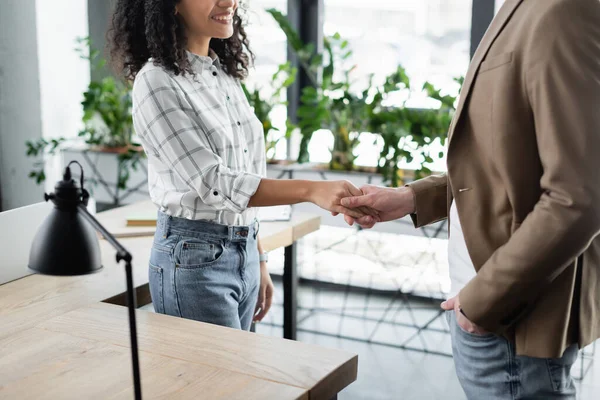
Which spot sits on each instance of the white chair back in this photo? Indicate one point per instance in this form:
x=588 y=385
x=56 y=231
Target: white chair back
x=17 y=231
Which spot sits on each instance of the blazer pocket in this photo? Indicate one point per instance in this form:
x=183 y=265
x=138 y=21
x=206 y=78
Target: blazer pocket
x=495 y=62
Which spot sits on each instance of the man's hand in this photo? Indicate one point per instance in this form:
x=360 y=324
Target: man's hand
x=390 y=203
x=465 y=324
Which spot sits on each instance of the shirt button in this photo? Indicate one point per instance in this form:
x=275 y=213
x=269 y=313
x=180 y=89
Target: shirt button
x=227 y=97
x=245 y=150
x=239 y=123
x=215 y=193
x=214 y=73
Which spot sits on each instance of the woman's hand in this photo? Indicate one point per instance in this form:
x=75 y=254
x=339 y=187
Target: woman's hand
x=265 y=293
x=329 y=194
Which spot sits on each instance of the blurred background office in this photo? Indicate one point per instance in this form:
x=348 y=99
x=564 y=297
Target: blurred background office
x=355 y=90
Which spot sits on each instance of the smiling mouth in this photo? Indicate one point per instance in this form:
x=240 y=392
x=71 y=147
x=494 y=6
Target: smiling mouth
x=223 y=18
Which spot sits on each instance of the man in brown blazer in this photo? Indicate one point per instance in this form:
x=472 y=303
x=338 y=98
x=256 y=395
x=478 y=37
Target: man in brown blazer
x=523 y=182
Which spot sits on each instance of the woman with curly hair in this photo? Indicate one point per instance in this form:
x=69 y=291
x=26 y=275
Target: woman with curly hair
x=206 y=158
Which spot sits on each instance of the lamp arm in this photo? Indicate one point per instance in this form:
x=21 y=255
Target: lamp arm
x=122 y=253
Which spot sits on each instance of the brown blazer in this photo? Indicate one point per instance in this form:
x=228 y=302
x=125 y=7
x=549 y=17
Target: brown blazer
x=524 y=170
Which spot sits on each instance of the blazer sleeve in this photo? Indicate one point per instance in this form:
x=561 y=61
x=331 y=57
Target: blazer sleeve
x=431 y=200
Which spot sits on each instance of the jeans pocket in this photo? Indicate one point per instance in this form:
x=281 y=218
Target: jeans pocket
x=197 y=253
x=560 y=370
x=560 y=375
x=470 y=335
x=155 y=278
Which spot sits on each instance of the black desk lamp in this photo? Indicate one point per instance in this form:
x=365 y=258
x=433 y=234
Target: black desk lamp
x=66 y=244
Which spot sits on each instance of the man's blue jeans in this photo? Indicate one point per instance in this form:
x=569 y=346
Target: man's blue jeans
x=488 y=368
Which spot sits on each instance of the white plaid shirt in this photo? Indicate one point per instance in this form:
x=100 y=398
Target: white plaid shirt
x=205 y=146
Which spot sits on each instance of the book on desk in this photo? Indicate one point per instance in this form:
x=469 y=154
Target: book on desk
x=267 y=214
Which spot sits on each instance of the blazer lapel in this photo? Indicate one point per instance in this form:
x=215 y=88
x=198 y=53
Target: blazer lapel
x=490 y=36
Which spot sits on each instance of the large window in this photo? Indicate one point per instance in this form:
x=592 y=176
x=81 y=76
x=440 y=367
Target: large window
x=269 y=45
x=430 y=38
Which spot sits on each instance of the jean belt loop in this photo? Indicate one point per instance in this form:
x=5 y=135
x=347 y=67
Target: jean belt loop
x=165 y=226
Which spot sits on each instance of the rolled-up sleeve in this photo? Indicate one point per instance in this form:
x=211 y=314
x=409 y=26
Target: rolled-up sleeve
x=171 y=130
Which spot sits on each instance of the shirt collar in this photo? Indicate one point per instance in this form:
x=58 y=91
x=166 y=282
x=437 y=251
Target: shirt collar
x=202 y=63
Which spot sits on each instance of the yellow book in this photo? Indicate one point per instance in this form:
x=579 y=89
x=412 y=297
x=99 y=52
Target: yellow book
x=142 y=220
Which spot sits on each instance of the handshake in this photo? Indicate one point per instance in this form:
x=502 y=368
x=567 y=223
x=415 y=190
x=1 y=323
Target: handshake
x=365 y=206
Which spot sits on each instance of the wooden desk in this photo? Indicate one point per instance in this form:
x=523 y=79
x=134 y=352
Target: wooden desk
x=273 y=235
x=57 y=340
x=85 y=353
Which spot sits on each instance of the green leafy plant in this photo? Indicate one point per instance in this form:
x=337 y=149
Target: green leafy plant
x=107 y=121
x=329 y=102
x=408 y=132
x=332 y=102
x=39 y=149
x=106 y=105
x=263 y=106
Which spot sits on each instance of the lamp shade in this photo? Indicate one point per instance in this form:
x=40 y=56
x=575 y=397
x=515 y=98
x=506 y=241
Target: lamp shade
x=66 y=243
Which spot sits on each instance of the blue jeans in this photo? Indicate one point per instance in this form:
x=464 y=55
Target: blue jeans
x=205 y=271
x=488 y=368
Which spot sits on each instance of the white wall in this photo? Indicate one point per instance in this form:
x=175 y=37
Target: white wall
x=20 y=115
x=64 y=76
x=41 y=85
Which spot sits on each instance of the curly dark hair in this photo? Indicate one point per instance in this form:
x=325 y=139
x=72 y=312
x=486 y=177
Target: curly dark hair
x=144 y=29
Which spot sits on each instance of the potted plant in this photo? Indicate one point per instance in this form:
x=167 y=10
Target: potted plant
x=332 y=102
x=329 y=103
x=107 y=121
x=263 y=107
